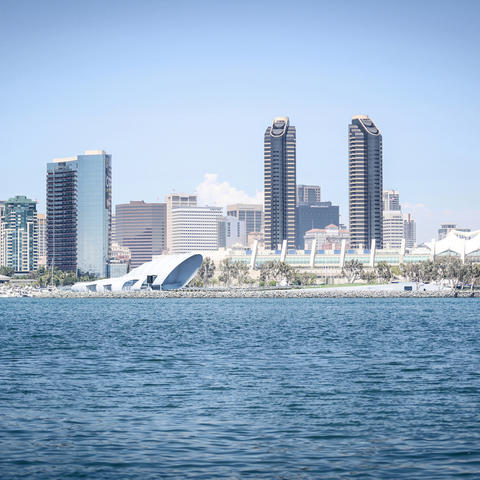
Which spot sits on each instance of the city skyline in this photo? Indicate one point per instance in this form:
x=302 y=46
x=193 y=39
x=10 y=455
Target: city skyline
x=130 y=87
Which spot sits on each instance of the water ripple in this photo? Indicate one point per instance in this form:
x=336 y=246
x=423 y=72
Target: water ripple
x=253 y=388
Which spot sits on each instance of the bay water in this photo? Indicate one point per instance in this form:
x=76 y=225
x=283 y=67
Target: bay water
x=239 y=388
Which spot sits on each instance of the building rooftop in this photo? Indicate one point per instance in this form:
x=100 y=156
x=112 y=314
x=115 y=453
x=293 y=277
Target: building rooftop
x=20 y=199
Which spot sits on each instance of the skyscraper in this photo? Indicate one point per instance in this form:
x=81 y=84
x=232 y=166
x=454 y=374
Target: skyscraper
x=308 y=194
x=410 y=231
x=280 y=183
x=20 y=234
x=393 y=229
x=175 y=200
x=2 y=233
x=42 y=239
x=195 y=229
x=251 y=214
x=365 y=182
x=142 y=228
x=396 y=225
x=79 y=211
x=391 y=200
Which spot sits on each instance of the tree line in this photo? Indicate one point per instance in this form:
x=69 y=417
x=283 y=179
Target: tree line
x=232 y=273
x=446 y=270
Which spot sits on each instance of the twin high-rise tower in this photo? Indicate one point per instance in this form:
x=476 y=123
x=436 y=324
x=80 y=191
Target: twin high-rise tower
x=280 y=183
x=365 y=183
x=365 y=180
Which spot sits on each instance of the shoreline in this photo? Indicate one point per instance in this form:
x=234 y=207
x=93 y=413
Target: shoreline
x=370 y=291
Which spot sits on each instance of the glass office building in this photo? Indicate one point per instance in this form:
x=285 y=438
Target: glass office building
x=315 y=215
x=142 y=228
x=79 y=212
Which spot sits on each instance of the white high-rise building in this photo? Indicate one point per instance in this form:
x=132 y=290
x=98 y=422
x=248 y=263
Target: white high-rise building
x=231 y=232
x=42 y=239
x=393 y=229
x=19 y=241
x=175 y=200
x=2 y=234
x=397 y=226
x=195 y=229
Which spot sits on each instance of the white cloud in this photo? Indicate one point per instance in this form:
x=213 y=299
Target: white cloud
x=212 y=192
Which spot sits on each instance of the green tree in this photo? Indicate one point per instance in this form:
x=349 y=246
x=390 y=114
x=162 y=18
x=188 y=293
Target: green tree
x=474 y=275
x=383 y=271
x=205 y=273
x=352 y=269
x=277 y=271
x=228 y=271
x=455 y=271
x=7 y=271
x=369 y=276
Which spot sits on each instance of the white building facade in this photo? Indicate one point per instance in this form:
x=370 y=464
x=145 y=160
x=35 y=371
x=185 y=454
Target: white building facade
x=393 y=229
x=176 y=200
x=397 y=226
x=195 y=229
x=231 y=232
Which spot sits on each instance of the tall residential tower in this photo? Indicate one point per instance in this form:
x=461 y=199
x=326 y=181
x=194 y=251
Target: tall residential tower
x=19 y=243
x=365 y=182
x=280 y=183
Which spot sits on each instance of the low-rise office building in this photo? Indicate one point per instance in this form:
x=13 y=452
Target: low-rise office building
x=328 y=238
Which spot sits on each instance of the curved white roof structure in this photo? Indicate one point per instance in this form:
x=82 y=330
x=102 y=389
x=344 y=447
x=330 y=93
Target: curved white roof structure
x=165 y=272
x=462 y=244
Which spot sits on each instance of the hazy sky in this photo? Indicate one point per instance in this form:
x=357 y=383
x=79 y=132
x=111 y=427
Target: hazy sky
x=180 y=94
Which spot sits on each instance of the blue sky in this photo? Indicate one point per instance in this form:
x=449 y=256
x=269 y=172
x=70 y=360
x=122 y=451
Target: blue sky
x=178 y=90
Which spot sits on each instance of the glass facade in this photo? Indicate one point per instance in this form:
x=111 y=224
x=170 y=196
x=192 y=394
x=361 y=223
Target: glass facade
x=317 y=215
x=79 y=205
x=94 y=213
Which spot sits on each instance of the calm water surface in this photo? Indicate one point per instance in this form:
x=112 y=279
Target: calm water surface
x=284 y=389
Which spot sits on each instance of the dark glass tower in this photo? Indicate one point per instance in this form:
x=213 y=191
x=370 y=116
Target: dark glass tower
x=280 y=183
x=365 y=182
